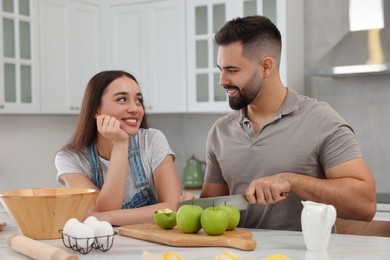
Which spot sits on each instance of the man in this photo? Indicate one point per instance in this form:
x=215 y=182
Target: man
x=279 y=148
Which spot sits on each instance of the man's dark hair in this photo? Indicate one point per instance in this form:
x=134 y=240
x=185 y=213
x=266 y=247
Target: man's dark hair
x=257 y=34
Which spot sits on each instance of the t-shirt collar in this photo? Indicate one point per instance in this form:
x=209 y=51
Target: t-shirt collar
x=289 y=105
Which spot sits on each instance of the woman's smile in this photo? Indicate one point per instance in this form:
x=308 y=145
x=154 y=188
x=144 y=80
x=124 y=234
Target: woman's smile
x=131 y=121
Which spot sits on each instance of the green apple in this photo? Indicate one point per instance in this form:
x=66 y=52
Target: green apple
x=188 y=218
x=165 y=218
x=233 y=214
x=214 y=221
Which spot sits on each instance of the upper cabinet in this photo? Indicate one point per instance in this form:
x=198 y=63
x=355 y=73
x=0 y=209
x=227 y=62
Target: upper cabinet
x=206 y=17
x=51 y=48
x=71 y=52
x=19 y=91
x=148 y=40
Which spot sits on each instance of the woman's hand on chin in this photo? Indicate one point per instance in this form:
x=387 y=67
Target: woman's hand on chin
x=110 y=128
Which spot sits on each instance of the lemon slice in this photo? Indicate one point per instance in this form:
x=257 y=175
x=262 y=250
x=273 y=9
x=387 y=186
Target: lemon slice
x=276 y=257
x=227 y=256
x=171 y=256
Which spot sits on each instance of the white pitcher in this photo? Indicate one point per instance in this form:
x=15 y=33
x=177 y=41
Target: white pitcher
x=317 y=221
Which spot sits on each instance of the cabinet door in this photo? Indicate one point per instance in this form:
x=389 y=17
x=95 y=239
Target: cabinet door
x=148 y=40
x=19 y=91
x=128 y=46
x=166 y=89
x=204 y=18
x=70 y=53
x=85 y=48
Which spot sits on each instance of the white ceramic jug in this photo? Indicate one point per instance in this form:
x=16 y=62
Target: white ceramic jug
x=317 y=221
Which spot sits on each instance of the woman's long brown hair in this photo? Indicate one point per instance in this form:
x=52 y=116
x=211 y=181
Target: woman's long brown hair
x=86 y=130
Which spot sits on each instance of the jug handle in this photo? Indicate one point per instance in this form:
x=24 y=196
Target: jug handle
x=331 y=210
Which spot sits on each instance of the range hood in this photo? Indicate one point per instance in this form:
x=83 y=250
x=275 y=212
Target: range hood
x=365 y=49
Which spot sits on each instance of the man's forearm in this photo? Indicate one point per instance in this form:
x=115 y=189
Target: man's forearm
x=352 y=198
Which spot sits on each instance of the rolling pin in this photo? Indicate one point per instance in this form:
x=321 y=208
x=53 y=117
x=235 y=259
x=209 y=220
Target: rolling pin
x=37 y=250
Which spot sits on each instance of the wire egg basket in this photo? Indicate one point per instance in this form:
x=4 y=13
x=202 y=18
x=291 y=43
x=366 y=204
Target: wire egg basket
x=85 y=245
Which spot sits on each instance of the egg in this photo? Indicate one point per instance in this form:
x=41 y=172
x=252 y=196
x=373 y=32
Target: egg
x=103 y=230
x=69 y=231
x=90 y=220
x=69 y=225
x=84 y=235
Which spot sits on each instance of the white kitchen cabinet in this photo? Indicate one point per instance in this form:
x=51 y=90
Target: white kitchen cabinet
x=19 y=90
x=71 y=52
x=206 y=17
x=167 y=44
x=147 y=39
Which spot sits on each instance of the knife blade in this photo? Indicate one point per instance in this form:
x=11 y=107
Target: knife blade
x=237 y=200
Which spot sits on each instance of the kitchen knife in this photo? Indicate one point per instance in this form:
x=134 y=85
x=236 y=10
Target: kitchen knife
x=237 y=200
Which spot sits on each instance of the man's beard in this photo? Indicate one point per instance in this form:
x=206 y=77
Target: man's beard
x=247 y=93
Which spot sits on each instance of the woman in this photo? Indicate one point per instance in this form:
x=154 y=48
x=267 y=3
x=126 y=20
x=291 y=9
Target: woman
x=113 y=150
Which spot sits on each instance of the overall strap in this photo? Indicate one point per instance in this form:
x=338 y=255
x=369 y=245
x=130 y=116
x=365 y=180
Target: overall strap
x=145 y=195
x=136 y=166
x=96 y=167
x=135 y=162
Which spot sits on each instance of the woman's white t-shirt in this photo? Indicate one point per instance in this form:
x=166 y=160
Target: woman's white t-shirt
x=154 y=148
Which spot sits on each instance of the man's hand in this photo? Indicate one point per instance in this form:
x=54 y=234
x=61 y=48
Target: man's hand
x=188 y=196
x=268 y=190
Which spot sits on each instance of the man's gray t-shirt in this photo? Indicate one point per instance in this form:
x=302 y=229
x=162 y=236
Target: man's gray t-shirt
x=154 y=148
x=305 y=137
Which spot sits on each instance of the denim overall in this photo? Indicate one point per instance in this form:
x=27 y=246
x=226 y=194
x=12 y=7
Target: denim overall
x=144 y=196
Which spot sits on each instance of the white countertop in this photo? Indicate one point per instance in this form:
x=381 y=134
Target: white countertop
x=269 y=242
x=382 y=212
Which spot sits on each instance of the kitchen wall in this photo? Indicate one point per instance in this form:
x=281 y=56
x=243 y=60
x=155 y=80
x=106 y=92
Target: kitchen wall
x=362 y=100
x=27 y=148
x=28 y=142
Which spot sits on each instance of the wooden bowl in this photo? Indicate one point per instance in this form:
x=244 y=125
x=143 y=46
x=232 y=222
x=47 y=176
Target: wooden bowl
x=40 y=213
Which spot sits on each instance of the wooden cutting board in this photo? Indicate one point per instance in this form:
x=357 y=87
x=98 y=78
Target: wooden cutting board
x=238 y=238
